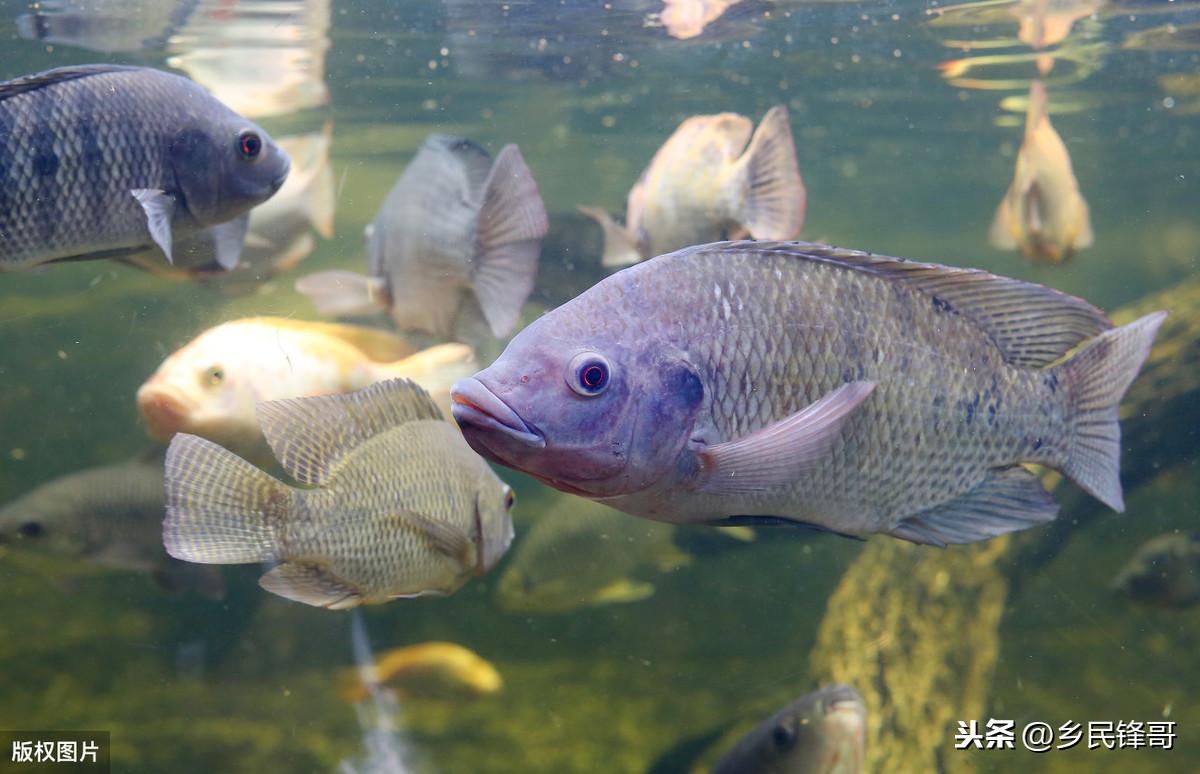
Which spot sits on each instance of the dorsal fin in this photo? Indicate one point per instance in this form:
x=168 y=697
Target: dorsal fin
x=312 y=436
x=1031 y=324
x=40 y=80
x=377 y=344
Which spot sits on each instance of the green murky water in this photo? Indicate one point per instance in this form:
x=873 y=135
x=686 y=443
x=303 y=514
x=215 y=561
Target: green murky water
x=896 y=159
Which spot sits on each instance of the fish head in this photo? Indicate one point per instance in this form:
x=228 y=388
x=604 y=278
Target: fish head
x=226 y=168
x=493 y=517
x=586 y=413
x=824 y=731
x=33 y=525
x=205 y=388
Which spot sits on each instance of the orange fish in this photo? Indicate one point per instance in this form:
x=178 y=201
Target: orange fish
x=430 y=670
x=1043 y=214
x=687 y=18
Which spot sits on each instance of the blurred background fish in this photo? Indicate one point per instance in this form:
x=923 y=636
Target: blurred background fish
x=429 y=670
x=455 y=244
x=1043 y=214
x=107 y=26
x=705 y=184
x=262 y=57
x=687 y=18
x=580 y=554
x=395 y=505
x=162 y=160
x=210 y=386
x=106 y=517
x=1163 y=572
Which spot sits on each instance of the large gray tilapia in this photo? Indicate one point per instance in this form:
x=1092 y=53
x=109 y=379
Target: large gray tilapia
x=104 y=161
x=396 y=504
x=754 y=381
x=454 y=222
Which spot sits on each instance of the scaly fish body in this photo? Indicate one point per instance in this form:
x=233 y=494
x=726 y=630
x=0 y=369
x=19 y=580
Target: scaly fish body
x=398 y=505
x=810 y=384
x=455 y=244
x=430 y=670
x=105 y=161
x=211 y=386
x=1043 y=214
x=705 y=183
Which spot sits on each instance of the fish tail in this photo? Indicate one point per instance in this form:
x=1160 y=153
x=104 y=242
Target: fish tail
x=512 y=222
x=344 y=292
x=1097 y=377
x=620 y=247
x=775 y=200
x=220 y=508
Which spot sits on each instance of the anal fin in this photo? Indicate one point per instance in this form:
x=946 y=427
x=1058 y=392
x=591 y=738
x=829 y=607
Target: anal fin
x=1007 y=500
x=311 y=584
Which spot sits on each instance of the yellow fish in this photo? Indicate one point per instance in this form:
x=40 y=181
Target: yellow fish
x=430 y=670
x=702 y=187
x=210 y=387
x=687 y=18
x=1043 y=214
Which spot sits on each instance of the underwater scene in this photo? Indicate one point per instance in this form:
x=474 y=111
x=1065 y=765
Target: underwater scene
x=634 y=386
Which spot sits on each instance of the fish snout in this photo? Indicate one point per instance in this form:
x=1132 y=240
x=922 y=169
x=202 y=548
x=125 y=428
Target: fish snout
x=164 y=415
x=475 y=407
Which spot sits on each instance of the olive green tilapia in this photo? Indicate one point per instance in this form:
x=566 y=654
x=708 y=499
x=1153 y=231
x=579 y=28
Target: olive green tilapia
x=793 y=382
x=399 y=506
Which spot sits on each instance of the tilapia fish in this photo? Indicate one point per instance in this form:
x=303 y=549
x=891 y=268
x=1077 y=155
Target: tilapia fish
x=397 y=505
x=823 y=732
x=1043 y=214
x=429 y=670
x=104 y=161
x=763 y=382
x=705 y=184
x=108 y=516
x=210 y=386
x=457 y=240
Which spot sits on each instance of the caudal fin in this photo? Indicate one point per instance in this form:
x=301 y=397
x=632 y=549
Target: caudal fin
x=344 y=292
x=220 y=508
x=1097 y=377
x=775 y=195
x=512 y=222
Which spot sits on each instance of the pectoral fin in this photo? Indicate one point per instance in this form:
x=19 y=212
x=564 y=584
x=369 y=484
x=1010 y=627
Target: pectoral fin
x=159 y=207
x=228 y=239
x=776 y=454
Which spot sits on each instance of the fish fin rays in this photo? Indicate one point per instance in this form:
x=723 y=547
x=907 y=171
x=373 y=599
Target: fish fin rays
x=445 y=537
x=774 y=455
x=339 y=293
x=1032 y=325
x=1099 y=375
x=620 y=246
x=310 y=584
x=41 y=80
x=311 y=437
x=228 y=239
x=1007 y=500
x=775 y=196
x=159 y=207
x=512 y=221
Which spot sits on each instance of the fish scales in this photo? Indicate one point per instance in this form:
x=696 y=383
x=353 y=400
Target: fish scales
x=775 y=333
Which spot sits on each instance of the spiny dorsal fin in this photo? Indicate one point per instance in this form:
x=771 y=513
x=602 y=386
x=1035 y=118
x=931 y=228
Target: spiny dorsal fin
x=312 y=436
x=378 y=345
x=46 y=78
x=1031 y=324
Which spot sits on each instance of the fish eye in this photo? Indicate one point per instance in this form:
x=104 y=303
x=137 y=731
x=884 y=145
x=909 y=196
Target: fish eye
x=588 y=374
x=31 y=529
x=510 y=499
x=249 y=145
x=783 y=736
x=214 y=376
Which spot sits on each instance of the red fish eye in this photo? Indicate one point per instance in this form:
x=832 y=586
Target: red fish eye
x=250 y=145
x=509 y=499
x=593 y=377
x=588 y=374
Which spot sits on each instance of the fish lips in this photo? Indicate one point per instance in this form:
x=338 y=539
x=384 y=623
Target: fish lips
x=479 y=412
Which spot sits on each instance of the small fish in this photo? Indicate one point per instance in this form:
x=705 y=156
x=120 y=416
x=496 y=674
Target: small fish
x=104 y=161
x=687 y=18
x=458 y=236
x=395 y=504
x=103 y=517
x=1043 y=214
x=760 y=383
x=430 y=670
x=107 y=26
x=211 y=385
x=1164 y=572
x=705 y=184
x=277 y=234
x=581 y=554
x=823 y=732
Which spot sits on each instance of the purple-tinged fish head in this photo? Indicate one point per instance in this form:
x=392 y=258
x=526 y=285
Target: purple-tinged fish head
x=582 y=413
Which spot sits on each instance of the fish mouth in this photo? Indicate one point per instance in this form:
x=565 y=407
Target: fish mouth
x=278 y=182
x=473 y=404
x=164 y=414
